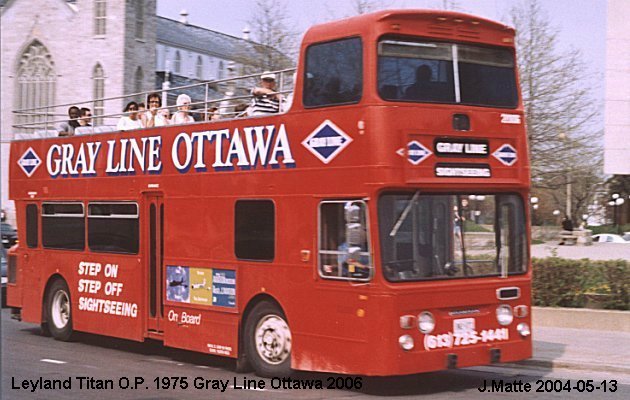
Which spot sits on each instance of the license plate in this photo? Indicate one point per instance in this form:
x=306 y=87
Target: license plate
x=463 y=325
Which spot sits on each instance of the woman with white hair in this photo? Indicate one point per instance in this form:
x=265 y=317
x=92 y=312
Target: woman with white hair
x=182 y=115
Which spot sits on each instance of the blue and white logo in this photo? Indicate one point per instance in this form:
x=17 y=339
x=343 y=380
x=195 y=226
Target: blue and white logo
x=29 y=162
x=326 y=141
x=506 y=154
x=416 y=152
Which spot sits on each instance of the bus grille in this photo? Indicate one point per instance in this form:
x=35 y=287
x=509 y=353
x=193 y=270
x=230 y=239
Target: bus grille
x=12 y=268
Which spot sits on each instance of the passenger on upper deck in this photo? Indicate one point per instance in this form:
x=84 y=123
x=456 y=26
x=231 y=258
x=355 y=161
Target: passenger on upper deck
x=130 y=121
x=422 y=84
x=66 y=128
x=86 y=117
x=182 y=116
x=241 y=110
x=266 y=100
x=155 y=116
x=213 y=114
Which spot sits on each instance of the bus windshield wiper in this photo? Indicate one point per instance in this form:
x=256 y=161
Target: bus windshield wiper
x=402 y=217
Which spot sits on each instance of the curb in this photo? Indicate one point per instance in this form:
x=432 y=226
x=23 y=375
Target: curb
x=581 y=318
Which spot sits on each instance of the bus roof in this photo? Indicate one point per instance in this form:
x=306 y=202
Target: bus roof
x=434 y=23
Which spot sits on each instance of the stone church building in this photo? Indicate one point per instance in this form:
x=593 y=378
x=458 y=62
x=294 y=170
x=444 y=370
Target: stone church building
x=65 y=52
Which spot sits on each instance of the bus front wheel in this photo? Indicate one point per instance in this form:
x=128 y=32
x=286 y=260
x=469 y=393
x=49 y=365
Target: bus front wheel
x=58 y=309
x=268 y=341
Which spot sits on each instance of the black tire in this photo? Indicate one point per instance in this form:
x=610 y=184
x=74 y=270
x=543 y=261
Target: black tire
x=268 y=341
x=59 y=311
x=44 y=329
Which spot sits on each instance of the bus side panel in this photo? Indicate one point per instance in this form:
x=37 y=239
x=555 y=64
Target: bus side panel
x=332 y=340
x=104 y=290
x=31 y=267
x=206 y=331
x=108 y=295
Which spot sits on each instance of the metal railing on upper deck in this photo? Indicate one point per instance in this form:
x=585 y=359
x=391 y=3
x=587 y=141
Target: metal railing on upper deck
x=219 y=100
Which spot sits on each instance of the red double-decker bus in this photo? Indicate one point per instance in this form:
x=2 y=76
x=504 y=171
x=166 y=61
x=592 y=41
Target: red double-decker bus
x=378 y=227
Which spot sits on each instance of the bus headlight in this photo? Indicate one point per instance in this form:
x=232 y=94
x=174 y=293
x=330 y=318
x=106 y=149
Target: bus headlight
x=406 y=342
x=523 y=329
x=504 y=314
x=426 y=323
x=407 y=321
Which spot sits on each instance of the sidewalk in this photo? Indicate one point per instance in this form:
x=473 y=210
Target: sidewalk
x=583 y=349
x=579 y=338
x=598 y=251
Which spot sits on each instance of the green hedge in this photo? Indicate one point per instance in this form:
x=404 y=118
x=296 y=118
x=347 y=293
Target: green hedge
x=561 y=282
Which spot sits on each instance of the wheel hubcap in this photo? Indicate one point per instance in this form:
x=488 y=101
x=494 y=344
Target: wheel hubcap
x=60 y=309
x=273 y=339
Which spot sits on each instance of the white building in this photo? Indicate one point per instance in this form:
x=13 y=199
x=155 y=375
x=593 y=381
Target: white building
x=617 y=114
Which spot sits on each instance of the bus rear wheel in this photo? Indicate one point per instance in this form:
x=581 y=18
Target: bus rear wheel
x=268 y=341
x=58 y=310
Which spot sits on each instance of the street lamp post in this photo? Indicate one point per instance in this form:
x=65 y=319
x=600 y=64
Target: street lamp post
x=474 y=198
x=534 y=202
x=615 y=203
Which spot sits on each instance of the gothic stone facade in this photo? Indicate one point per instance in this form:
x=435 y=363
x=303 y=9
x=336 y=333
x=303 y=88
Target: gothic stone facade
x=68 y=51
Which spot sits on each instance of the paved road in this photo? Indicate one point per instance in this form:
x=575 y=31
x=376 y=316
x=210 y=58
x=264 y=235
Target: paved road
x=26 y=355
x=598 y=251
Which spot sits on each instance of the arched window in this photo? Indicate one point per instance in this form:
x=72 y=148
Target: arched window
x=178 y=63
x=199 y=68
x=99 y=92
x=221 y=72
x=138 y=80
x=100 y=17
x=35 y=86
x=139 y=19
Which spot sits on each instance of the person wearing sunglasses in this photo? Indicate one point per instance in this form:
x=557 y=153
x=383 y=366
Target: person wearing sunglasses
x=131 y=119
x=155 y=116
x=265 y=99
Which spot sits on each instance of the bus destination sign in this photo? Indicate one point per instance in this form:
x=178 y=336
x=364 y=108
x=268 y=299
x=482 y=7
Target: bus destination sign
x=454 y=170
x=477 y=148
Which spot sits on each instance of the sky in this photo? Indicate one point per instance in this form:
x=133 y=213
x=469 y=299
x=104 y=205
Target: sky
x=581 y=24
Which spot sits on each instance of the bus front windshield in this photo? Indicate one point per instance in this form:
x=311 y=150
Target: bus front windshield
x=445 y=236
x=425 y=71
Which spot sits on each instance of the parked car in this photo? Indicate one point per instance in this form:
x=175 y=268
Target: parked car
x=609 y=238
x=9 y=235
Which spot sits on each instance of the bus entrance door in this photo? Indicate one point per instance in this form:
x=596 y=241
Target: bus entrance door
x=154 y=230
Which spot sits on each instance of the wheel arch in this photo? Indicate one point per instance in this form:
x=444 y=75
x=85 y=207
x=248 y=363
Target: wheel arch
x=54 y=277
x=257 y=299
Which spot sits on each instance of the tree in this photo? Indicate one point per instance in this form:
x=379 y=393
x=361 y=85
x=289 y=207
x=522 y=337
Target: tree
x=271 y=27
x=366 y=6
x=559 y=110
x=358 y=7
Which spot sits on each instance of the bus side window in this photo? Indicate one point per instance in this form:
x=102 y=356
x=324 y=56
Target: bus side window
x=343 y=241
x=113 y=228
x=32 y=225
x=334 y=73
x=63 y=226
x=255 y=230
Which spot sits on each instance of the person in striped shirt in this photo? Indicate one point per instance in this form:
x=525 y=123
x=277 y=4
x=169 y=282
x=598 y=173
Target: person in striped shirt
x=266 y=100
